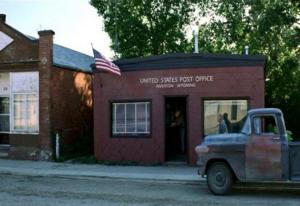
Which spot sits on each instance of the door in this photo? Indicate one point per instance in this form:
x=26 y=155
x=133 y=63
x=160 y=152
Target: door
x=175 y=129
x=4 y=120
x=263 y=150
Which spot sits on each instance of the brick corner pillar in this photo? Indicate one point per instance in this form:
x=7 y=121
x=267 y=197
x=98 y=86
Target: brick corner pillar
x=45 y=65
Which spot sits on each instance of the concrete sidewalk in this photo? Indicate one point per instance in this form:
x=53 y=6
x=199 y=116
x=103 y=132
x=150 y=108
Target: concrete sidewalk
x=183 y=174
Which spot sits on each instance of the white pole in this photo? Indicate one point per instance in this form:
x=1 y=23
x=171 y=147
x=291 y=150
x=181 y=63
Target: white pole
x=246 y=50
x=196 y=40
x=57 y=146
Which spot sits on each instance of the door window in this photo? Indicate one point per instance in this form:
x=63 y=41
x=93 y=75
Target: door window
x=265 y=125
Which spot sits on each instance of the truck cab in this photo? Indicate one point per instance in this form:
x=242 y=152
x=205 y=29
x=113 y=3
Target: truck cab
x=259 y=152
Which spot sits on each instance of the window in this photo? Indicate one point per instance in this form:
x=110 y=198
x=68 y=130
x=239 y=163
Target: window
x=24 y=93
x=265 y=125
x=224 y=116
x=131 y=119
x=19 y=102
x=4 y=114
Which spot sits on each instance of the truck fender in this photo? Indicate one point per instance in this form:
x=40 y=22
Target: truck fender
x=211 y=161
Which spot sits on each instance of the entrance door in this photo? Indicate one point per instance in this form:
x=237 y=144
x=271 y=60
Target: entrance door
x=175 y=129
x=4 y=120
x=263 y=151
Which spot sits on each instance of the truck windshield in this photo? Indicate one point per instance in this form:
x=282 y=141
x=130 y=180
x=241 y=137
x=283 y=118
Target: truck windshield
x=246 y=127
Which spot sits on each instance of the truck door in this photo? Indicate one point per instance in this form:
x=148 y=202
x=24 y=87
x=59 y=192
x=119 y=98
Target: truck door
x=263 y=150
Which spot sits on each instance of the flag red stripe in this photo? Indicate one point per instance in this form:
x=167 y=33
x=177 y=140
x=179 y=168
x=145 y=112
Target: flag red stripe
x=107 y=65
x=108 y=69
x=106 y=62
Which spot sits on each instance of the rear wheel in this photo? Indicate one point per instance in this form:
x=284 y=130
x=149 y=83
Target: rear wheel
x=219 y=178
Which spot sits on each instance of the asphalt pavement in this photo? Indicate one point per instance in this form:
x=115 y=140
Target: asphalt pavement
x=17 y=190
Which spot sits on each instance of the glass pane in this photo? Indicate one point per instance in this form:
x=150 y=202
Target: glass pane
x=119 y=121
x=265 y=125
x=141 y=117
x=32 y=111
x=4 y=84
x=4 y=123
x=137 y=118
x=224 y=116
x=19 y=117
x=4 y=105
x=148 y=117
x=130 y=118
x=23 y=82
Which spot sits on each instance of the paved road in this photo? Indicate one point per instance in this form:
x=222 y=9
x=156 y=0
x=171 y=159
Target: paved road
x=43 y=191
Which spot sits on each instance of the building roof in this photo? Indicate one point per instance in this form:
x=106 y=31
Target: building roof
x=62 y=56
x=68 y=58
x=184 y=60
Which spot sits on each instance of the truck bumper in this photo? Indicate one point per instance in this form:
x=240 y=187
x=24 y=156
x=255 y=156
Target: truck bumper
x=201 y=169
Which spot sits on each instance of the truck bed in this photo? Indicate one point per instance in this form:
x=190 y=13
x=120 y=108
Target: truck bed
x=294 y=155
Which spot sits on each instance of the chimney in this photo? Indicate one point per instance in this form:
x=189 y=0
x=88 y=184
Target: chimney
x=2 y=18
x=46 y=46
x=45 y=68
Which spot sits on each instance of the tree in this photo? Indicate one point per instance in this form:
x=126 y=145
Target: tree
x=145 y=27
x=268 y=27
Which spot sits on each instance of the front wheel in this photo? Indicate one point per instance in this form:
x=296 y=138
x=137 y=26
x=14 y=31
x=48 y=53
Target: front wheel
x=219 y=178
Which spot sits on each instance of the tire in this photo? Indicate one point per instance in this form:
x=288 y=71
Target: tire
x=219 y=178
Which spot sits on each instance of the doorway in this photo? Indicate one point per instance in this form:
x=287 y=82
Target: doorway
x=175 y=129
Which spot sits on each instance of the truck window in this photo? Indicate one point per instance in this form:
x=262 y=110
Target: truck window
x=265 y=125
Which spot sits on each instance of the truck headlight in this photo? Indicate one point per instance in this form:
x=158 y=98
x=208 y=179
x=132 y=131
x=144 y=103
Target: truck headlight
x=201 y=149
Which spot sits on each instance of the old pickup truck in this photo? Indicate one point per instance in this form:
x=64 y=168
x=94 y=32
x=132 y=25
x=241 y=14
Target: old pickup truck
x=260 y=152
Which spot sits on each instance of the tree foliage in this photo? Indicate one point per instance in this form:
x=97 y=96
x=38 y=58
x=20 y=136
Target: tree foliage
x=268 y=27
x=143 y=27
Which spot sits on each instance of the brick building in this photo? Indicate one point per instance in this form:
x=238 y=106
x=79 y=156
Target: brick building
x=45 y=89
x=163 y=106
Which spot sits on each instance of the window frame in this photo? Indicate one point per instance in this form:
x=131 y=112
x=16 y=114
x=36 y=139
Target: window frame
x=230 y=98
x=261 y=116
x=11 y=94
x=130 y=135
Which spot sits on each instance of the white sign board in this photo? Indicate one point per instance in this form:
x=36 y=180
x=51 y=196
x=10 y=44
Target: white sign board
x=5 y=40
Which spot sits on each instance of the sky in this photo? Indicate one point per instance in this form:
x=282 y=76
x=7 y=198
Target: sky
x=75 y=22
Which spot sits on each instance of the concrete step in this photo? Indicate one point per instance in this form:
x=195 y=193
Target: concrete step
x=4 y=149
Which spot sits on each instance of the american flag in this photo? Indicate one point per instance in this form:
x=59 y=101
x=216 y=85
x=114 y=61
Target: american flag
x=103 y=64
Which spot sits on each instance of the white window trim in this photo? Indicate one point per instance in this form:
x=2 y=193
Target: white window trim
x=11 y=101
x=114 y=123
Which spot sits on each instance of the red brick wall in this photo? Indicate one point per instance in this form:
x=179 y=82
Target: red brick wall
x=228 y=82
x=71 y=105
x=65 y=98
x=21 y=49
x=45 y=64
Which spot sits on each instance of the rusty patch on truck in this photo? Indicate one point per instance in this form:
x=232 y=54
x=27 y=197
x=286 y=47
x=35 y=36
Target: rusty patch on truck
x=263 y=157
